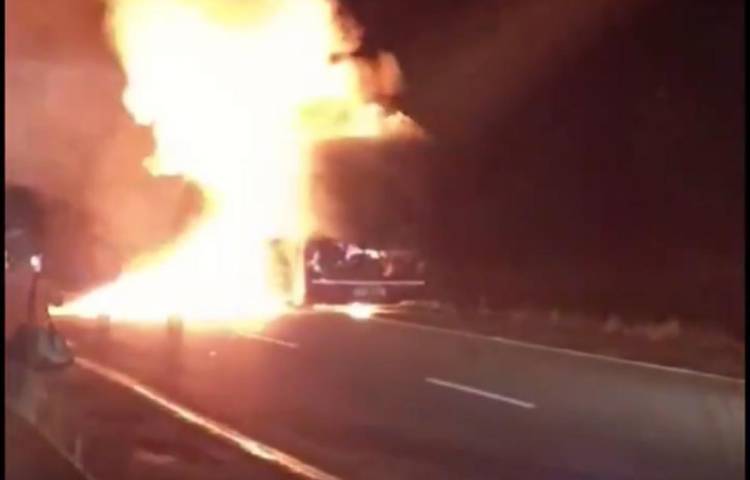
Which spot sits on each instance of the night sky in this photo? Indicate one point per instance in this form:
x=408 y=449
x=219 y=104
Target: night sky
x=597 y=142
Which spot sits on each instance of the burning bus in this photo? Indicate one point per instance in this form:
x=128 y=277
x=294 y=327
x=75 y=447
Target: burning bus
x=330 y=271
x=341 y=272
x=217 y=82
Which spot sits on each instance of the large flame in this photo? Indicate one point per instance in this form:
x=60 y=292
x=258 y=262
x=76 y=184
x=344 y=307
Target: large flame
x=237 y=94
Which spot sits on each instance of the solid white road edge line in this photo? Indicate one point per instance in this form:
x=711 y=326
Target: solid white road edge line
x=253 y=447
x=482 y=393
x=560 y=350
x=262 y=338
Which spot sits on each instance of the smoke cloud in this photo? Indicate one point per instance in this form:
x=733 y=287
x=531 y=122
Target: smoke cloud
x=69 y=140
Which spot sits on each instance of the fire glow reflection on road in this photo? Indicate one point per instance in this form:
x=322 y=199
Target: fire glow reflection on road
x=360 y=311
x=214 y=428
x=356 y=311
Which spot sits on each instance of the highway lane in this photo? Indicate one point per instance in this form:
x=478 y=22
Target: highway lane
x=378 y=400
x=667 y=416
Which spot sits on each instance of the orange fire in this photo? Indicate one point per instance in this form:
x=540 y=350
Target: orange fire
x=237 y=93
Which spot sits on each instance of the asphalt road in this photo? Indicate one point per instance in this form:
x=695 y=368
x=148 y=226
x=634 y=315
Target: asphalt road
x=381 y=400
x=28 y=455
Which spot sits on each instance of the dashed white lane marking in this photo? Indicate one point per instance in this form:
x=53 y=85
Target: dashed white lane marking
x=482 y=393
x=263 y=338
x=383 y=283
x=226 y=433
x=559 y=350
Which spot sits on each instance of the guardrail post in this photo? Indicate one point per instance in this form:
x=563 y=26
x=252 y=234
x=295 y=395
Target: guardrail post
x=175 y=328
